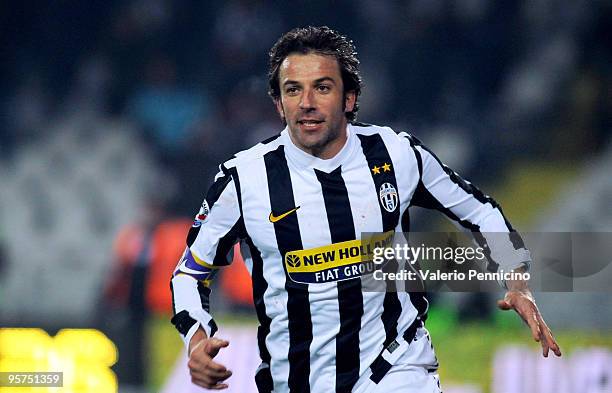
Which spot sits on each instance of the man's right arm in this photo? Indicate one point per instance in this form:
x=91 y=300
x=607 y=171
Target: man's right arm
x=204 y=371
x=217 y=227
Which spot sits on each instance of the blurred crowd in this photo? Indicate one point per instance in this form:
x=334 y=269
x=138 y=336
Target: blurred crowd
x=116 y=115
x=488 y=81
x=111 y=107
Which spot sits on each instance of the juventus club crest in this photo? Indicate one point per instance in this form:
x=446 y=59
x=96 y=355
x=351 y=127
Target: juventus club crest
x=388 y=197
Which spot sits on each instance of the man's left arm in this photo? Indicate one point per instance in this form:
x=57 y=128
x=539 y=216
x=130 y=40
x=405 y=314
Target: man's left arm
x=442 y=189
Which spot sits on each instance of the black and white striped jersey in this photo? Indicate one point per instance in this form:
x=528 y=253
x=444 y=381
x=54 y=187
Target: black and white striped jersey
x=301 y=216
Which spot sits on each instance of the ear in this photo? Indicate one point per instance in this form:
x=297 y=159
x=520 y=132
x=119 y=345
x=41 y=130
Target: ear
x=279 y=108
x=349 y=100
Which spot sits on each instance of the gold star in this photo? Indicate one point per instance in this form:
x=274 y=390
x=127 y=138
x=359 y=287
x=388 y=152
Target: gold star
x=386 y=167
x=376 y=170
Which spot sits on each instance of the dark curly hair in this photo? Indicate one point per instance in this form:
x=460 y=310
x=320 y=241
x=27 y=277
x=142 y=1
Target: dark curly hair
x=322 y=40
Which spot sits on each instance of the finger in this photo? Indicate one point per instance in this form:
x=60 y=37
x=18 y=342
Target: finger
x=214 y=366
x=545 y=347
x=209 y=379
x=530 y=316
x=224 y=376
x=211 y=371
x=535 y=328
x=555 y=347
x=205 y=383
x=549 y=338
x=199 y=362
x=207 y=376
x=214 y=345
x=212 y=375
x=218 y=343
x=504 y=305
x=546 y=343
x=219 y=386
x=552 y=343
x=220 y=375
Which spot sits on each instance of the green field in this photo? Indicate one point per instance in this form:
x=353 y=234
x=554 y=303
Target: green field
x=465 y=351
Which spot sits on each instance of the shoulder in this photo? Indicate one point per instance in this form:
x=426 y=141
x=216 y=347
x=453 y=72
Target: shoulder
x=254 y=153
x=390 y=136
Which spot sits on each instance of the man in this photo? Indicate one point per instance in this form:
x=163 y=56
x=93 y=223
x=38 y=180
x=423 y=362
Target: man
x=318 y=185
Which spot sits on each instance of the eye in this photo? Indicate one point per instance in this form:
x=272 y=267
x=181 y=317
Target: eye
x=324 y=88
x=292 y=90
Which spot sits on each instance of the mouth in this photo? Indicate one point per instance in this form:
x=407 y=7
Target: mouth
x=310 y=123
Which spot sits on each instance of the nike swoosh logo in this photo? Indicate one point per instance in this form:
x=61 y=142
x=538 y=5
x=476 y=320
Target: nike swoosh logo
x=274 y=218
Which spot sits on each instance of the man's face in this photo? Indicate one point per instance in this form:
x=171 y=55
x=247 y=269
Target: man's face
x=313 y=104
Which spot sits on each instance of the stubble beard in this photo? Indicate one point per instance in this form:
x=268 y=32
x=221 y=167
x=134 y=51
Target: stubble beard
x=318 y=147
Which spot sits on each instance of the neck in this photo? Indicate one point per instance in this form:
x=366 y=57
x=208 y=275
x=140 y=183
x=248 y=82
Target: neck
x=330 y=149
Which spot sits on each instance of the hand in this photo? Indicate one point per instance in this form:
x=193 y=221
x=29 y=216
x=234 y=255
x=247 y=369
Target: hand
x=204 y=371
x=521 y=301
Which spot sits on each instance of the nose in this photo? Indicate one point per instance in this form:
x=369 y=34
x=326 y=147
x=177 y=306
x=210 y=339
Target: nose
x=307 y=99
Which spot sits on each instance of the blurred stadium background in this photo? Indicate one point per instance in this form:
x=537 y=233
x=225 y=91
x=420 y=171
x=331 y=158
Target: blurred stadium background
x=115 y=115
